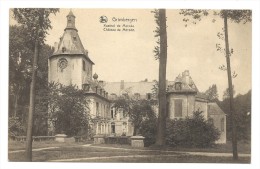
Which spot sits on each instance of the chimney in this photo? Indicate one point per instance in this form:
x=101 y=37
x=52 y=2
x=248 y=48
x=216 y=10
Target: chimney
x=186 y=76
x=122 y=85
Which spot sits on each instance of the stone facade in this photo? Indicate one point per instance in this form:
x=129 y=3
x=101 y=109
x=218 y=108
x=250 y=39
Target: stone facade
x=71 y=64
x=184 y=99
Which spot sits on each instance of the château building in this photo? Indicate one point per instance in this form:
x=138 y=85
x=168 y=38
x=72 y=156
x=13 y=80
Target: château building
x=71 y=64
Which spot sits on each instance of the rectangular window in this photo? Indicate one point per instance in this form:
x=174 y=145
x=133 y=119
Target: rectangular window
x=97 y=108
x=222 y=124
x=83 y=65
x=178 y=108
x=112 y=113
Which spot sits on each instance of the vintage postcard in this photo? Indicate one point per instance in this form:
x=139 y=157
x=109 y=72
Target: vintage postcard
x=128 y=85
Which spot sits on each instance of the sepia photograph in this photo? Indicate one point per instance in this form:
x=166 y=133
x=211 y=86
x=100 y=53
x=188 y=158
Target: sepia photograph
x=103 y=85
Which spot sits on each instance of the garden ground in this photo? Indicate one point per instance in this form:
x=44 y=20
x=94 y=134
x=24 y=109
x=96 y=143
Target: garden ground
x=88 y=152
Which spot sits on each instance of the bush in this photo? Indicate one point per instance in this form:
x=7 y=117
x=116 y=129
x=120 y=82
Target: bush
x=148 y=130
x=191 y=132
x=15 y=127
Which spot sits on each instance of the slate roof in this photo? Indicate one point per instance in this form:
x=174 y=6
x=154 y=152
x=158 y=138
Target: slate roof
x=214 y=109
x=130 y=87
x=70 y=43
x=187 y=84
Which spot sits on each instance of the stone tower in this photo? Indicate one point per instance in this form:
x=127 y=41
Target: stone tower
x=70 y=63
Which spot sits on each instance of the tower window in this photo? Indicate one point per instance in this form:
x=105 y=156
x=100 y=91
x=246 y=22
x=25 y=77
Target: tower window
x=83 y=65
x=74 y=38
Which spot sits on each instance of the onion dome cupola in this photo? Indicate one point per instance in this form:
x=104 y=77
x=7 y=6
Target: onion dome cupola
x=70 y=43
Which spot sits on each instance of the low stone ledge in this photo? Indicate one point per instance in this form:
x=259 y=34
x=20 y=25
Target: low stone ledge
x=60 y=138
x=137 y=141
x=99 y=139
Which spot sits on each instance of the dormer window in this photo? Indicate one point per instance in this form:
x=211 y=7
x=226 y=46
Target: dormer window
x=63 y=49
x=86 y=87
x=178 y=86
x=74 y=38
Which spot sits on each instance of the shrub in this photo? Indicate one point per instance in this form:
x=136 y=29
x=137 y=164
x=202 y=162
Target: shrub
x=148 y=130
x=192 y=131
x=15 y=127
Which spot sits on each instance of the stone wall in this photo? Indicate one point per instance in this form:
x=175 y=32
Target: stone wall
x=217 y=123
x=187 y=104
x=202 y=106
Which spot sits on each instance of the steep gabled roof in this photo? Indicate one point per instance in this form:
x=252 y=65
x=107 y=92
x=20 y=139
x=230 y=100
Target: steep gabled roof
x=186 y=82
x=214 y=109
x=70 y=43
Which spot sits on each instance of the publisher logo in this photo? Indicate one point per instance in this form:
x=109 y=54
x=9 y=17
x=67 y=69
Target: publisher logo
x=103 y=19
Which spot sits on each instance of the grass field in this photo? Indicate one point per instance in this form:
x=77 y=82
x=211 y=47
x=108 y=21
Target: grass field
x=121 y=153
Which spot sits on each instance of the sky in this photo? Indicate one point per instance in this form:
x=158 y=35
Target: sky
x=129 y=56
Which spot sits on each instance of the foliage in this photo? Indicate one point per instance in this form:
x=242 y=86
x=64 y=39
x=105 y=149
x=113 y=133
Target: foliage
x=148 y=130
x=157 y=32
x=212 y=93
x=20 y=72
x=242 y=104
x=191 y=132
x=68 y=108
x=155 y=90
x=226 y=94
x=15 y=127
x=19 y=75
x=36 y=20
x=137 y=110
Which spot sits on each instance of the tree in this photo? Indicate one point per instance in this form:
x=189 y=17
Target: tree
x=161 y=54
x=68 y=109
x=226 y=94
x=137 y=110
x=242 y=107
x=236 y=16
x=212 y=93
x=20 y=55
x=192 y=131
x=37 y=21
x=20 y=61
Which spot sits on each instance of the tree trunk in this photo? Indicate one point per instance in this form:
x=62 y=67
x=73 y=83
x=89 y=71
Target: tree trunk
x=15 y=104
x=160 y=138
x=32 y=105
x=230 y=87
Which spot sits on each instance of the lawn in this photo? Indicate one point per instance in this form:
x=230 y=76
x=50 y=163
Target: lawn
x=120 y=153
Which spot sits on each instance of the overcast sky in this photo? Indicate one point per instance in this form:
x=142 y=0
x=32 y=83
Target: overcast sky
x=129 y=56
